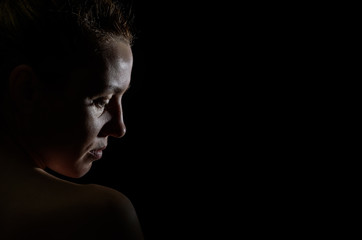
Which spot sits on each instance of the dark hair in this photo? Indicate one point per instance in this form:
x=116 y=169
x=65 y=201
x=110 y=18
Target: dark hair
x=49 y=33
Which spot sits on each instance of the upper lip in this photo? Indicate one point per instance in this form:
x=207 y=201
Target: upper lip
x=99 y=149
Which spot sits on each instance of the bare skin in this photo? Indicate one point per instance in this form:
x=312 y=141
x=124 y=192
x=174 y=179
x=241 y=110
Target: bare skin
x=37 y=205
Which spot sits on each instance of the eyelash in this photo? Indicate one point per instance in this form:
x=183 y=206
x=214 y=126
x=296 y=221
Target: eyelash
x=101 y=102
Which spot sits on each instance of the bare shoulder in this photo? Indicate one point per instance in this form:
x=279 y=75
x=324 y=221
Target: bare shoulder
x=119 y=217
x=106 y=194
x=59 y=209
x=110 y=201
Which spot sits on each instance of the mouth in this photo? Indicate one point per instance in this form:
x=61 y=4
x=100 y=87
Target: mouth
x=97 y=153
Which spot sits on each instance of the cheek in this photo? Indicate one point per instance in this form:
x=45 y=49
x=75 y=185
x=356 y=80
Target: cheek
x=94 y=122
x=71 y=127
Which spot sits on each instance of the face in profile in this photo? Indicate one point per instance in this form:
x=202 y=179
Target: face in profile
x=70 y=130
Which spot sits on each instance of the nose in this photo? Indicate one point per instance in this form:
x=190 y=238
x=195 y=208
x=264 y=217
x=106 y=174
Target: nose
x=115 y=126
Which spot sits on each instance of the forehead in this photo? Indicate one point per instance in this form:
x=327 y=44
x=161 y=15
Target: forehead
x=117 y=59
x=109 y=69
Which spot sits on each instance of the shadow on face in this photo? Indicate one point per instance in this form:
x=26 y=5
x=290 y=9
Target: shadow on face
x=67 y=130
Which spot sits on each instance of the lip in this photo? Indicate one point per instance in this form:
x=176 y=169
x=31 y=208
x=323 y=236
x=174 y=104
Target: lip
x=97 y=153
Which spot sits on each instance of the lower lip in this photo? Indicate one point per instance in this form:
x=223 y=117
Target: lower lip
x=97 y=154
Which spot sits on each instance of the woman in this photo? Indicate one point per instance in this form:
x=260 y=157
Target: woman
x=64 y=67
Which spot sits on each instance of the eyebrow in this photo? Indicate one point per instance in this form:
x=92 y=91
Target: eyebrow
x=116 y=89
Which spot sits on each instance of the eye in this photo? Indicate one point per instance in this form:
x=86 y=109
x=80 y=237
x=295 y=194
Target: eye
x=101 y=102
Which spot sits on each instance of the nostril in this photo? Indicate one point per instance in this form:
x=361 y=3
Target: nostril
x=118 y=129
x=113 y=128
